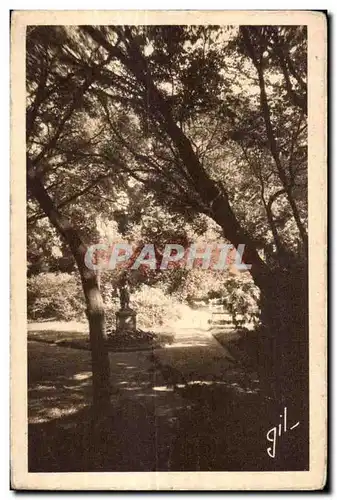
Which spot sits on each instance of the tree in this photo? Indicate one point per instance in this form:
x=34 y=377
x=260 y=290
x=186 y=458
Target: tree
x=55 y=94
x=210 y=120
x=174 y=163
x=258 y=56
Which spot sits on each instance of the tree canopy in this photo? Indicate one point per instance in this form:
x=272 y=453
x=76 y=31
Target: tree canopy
x=167 y=110
x=169 y=132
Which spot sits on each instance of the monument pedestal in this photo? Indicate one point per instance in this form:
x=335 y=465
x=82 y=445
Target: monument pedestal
x=126 y=320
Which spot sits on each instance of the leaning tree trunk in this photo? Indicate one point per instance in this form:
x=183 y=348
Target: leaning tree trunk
x=283 y=294
x=94 y=302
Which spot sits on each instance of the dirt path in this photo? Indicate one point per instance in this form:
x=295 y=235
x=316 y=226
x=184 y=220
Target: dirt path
x=167 y=407
x=195 y=356
x=144 y=410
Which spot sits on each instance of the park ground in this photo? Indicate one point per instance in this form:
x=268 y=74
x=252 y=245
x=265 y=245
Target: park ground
x=188 y=405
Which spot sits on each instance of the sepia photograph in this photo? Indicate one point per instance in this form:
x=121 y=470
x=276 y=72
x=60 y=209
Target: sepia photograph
x=166 y=242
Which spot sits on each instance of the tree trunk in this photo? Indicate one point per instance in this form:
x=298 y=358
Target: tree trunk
x=283 y=301
x=283 y=293
x=284 y=355
x=94 y=302
x=284 y=361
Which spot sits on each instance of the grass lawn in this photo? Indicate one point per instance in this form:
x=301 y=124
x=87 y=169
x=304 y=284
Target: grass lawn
x=76 y=335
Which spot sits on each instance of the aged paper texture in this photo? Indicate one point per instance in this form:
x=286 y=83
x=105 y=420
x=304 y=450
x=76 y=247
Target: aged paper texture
x=169 y=236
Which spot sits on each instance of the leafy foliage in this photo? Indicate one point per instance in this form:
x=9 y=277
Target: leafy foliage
x=241 y=298
x=124 y=122
x=55 y=296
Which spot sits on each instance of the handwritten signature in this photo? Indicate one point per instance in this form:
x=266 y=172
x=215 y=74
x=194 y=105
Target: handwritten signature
x=275 y=432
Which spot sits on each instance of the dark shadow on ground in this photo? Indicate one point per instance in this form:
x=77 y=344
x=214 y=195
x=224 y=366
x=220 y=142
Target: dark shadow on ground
x=127 y=439
x=134 y=341
x=157 y=421
x=227 y=430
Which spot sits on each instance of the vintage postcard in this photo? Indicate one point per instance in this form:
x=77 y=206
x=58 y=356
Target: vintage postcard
x=169 y=243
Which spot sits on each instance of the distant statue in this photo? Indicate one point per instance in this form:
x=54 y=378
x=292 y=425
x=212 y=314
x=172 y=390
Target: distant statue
x=125 y=318
x=124 y=294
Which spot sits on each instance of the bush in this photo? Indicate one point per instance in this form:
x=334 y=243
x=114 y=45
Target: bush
x=55 y=296
x=154 y=308
x=241 y=298
x=59 y=296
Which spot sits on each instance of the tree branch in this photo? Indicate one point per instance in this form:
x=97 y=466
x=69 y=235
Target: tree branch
x=271 y=136
x=206 y=187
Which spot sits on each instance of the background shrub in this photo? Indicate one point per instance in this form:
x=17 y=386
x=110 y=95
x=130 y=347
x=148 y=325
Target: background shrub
x=154 y=308
x=241 y=299
x=56 y=296
x=59 y=296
